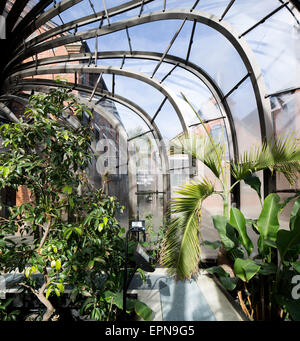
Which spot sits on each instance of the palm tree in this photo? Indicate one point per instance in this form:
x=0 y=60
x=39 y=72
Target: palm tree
x=181 y=247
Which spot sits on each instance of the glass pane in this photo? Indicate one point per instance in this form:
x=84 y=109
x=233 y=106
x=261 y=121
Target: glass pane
x=243 y=14
x=153 y=36
x=168 y=122
x=246 y=121
x=199 y=96
x=205 y=52
x=286 y=113
x=139 y=92
x=149 y=186
x=242 y=104
x=278 y=58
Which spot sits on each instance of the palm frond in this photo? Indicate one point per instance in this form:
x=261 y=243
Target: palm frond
x=181 y=248
x=203 y=149
x=281 y=154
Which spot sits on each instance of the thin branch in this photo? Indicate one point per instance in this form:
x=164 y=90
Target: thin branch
x=44 y=236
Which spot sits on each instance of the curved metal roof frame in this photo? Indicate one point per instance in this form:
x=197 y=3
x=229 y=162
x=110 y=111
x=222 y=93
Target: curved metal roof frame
x=263 y=105
x=34 y=46
x=170 y=59
x=45 y=85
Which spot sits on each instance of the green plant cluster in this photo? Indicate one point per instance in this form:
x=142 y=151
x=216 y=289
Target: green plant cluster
x=263 y=282
x=70 y=242
x=265 y=292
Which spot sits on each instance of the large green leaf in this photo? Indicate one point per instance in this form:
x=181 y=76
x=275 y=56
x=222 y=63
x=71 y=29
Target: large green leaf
x=245 y=269
x=295 y=212
x=268 y=223
x=143 y=310
x=287 y=240
x=292 y=306
x=226 y=232
x=254 y=182
x=181 y=247
x=296 y=266
x=267 y=269
x=237 y=220
x=228 y=282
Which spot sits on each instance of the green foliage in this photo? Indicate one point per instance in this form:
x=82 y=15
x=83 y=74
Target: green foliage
x=181 y=251
x=76 y=243
x=181 y=247
x=155 y=239
x=264 y=279
x=7 y=314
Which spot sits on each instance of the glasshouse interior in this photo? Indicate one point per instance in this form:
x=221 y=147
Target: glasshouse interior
x=150 y=160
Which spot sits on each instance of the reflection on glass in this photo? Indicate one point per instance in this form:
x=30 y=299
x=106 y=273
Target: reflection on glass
x=246 y=121
x=168 y=122
x=208 y=47
x=278 y=58
x=144 y=95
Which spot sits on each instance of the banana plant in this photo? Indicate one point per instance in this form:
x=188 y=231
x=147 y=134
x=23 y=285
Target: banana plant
x=264 y=286
x=181 y=250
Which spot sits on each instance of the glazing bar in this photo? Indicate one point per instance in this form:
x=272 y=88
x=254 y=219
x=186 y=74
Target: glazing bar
x=281 y=92
x=236 y=86
x=140 y=135
x=96 y=50
x=159 y=109
x=129 y=41
x=93 y=9
x=207 y=121
x=191 y=42
x=264 y=19
x=194 y=6
x=105 y=9
x=168 y=48
x=96 y=85
x=142 y=7
x=169 y=73
x=227 y=9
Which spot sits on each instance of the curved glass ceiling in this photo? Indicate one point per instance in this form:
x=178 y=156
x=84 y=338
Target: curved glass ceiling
x=232 y=59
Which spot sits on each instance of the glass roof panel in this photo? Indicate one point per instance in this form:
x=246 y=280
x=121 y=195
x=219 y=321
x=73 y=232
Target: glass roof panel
x=206 y=50
x=154 y=36
x=168 y=122
x=278 y=58
x=139 y=92
x=242 y=15
x=245 y=115
x=132 y=123
x=181 y=81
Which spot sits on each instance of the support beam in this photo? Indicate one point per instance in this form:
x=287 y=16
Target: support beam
x=140 y=135
x=264 y=19
x=236 y=86
x=191 y=42
x=177 y=62
x=168 y=48
x=129 y=40
x=159 y=109
x=227 y=9
x=96 y=86
x=207 y=121
x=194 y=6
x=106 y=12
x=169 y=73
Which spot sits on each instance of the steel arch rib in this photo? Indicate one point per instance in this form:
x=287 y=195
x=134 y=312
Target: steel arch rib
x=222 y=27
x=81 y=22
x=44 y=85
x=108 y=70
x=188 y=66
x=37 y=83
